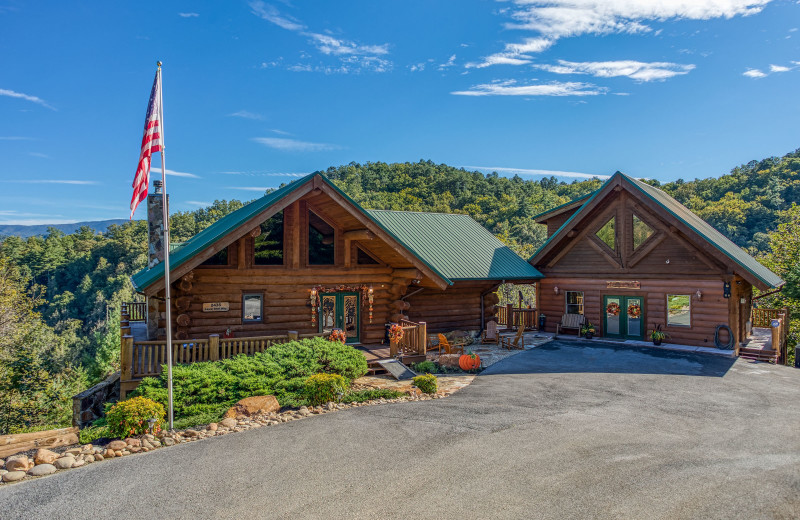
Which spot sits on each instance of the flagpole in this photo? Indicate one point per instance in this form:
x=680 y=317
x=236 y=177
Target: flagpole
x=165 y=210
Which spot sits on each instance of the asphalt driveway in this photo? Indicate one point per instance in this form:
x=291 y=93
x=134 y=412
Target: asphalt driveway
x=561 y=431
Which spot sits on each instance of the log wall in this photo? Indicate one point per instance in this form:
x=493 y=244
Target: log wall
x=458 y=307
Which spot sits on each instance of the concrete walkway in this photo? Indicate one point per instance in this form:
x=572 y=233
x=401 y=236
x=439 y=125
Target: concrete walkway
x=565 y=430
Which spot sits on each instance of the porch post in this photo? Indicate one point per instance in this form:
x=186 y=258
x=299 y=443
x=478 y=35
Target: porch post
x=423 y=338
x=213 y=346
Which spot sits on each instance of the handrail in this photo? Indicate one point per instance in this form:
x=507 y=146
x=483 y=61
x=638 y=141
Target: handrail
x=137 y=311
x=414 y=341
x=519 y=316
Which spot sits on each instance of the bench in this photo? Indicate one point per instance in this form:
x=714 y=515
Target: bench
x=570 y=321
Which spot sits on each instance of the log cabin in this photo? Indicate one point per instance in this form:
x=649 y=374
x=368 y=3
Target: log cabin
x=307 y=258
x=629 y=257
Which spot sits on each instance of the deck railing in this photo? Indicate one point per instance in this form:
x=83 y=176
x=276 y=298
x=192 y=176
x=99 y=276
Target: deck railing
x=763 y=317
x=146 y=358
x=777 y=320
x=514 y=317
x=414 y=341
x=137 y=311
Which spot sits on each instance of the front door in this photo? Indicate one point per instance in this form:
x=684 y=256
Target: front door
x=340 y=311
x=623 y=317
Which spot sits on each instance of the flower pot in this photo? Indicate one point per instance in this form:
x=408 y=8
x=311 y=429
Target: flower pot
x=657 y=342
x=589 y=335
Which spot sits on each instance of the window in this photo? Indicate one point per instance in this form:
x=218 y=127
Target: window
x=608 y=233
x=252 y=307
x=219 y=258
x=364 y=258
x=321 y=241
x=574 y=302
x=641 y=232
x=268 y=246
x=679 y=310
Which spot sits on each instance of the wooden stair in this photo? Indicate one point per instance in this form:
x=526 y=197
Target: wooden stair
x=758 y=354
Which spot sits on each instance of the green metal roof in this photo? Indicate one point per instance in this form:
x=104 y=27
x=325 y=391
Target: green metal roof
x=455 y=245
x=580 y=200
x=212 y=233
x=685 y=215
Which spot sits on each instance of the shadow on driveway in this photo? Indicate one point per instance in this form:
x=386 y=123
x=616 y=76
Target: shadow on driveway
x=569 y=357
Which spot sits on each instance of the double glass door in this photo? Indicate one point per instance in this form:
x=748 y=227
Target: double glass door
x=340 y=311
x=623 y=317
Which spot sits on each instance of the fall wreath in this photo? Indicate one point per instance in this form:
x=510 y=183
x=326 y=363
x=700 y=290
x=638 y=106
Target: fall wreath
x=337 y=335
x=612 y=309
x=395 y=332
x=634 y=311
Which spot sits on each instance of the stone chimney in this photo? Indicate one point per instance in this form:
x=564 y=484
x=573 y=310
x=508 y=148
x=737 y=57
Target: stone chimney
x=155 y=226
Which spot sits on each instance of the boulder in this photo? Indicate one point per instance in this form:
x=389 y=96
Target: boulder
x=250 y=406
x=73 y=451
x=168 y=441
x=13 y=476
x=212 y=427
x=44 y=456
x=64 y=462
x=449 y=360
x=133 y=442
x=41 y=470
x=117 y=445
x=228 y=422
x=18 y=463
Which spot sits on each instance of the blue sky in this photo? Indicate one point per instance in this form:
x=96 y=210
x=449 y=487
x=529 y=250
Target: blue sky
x=256 y=93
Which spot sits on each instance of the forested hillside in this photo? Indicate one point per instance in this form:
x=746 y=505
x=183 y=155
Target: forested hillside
x=60 y=294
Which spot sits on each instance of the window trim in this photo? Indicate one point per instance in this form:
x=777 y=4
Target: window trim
x=666 y=303
x=581 y=305
x=221 y=266
x=260 y=295
x=354 y=253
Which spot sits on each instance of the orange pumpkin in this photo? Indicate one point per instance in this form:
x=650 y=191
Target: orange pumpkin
x=469 y=362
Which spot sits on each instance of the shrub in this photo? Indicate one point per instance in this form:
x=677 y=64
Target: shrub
x=130 y=417
x=360 y=396
x=426 y=383
x=425 y=367
x=208 y=389
x=323 y=388
x=92 y=433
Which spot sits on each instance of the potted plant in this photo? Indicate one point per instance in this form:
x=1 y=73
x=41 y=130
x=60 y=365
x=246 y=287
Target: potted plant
x=658 y=335
x=588 y=330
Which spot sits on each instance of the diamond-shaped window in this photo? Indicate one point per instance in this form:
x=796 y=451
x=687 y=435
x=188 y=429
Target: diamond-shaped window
x=641 y=232
x=608 y=233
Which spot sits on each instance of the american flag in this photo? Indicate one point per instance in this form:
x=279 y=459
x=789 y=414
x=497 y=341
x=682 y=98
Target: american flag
x=151 y=143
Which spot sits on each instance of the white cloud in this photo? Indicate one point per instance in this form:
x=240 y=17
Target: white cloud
x=265 y=174
x=251 y=188
x=418 y=67
x=328 y=45
x=546 y=173
x=188 y=15
x=51 y=181
x=247 y=115
x=39 y=154
x=35 y=222
x=173 y=173
x=552 y=20
x=198 y=203
x=779 y=68
x=294 y=145
x=514 y=53
x=15 y=138
x=449 y=63
x=637 y=70
x=20 y=95
x=510 y=88
x=754 y=73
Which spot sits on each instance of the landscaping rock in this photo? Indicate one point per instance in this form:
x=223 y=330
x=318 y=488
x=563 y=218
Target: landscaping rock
x=13 y=476
x=250 y=406
x=109 y=453
x=64 y=462
x=212 y=427
x=78 y=463
x=18 y=463
x=117 y=445
x=98 y=457
x=90 y=458
x=73 y=451
x=449 y=360
x=42 y=470
x=168 y=441
x=146 y=444
x=191 y=433
x=44 y=456
x=133 y=442
x=228 y=422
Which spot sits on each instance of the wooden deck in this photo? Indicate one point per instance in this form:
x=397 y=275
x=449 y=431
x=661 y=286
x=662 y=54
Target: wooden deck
x=759 y=346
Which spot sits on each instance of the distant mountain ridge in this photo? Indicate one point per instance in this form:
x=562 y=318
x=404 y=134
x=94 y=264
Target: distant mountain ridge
x=41 y=229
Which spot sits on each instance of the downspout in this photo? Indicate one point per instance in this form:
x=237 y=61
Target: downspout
x=779 y=289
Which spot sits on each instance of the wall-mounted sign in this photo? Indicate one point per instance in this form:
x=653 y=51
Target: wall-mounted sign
x=623 y=284
x=216 y=307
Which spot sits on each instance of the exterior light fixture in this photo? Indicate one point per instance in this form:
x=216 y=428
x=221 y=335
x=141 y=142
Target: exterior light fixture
x=699 y=294
x=151 y=422
x=555 y=289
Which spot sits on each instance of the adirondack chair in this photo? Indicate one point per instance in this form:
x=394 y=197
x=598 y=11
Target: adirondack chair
x=570 y=321
x=448 y=348
x=517 y=342
x=490 y=335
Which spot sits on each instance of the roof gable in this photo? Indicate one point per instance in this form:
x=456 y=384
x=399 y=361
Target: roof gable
x=695 y=227
x=468 y=251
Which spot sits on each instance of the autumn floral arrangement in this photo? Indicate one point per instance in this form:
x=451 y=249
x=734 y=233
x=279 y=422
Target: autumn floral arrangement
x=612 y=309
x=634 y=311
x=337 y=335
x=395 y=332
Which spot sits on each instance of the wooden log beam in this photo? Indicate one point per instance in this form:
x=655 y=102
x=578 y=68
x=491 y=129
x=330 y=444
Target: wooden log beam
x=358 y=234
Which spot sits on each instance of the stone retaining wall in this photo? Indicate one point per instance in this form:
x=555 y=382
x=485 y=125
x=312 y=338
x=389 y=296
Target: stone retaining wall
x=89 y=405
